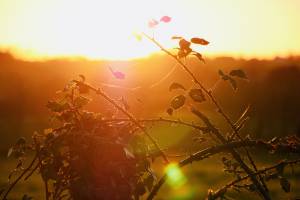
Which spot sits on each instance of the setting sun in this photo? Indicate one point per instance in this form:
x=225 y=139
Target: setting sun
x=36 y=29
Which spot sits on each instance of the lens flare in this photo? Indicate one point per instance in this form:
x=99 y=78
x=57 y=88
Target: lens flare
x=175 y=177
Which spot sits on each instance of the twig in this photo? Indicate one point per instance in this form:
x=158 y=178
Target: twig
x=223 y=189
x=19 y=178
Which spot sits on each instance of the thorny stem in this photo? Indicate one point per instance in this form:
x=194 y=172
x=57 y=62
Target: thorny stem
x=262 y=171
x=201 y=128
x=213 y=99
x=129 y=115
x=208 y=152
x=234 y=154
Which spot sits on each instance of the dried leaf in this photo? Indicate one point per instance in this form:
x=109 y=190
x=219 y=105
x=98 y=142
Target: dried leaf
x=199 y=41
x=238 y=73
x=175 y=86
x=178 y=101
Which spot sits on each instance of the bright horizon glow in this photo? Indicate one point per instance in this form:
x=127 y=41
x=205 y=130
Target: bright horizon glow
x=98 y=29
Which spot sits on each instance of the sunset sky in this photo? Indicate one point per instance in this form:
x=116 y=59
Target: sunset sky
x=97 y=29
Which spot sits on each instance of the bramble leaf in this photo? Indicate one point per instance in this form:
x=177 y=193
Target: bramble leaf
x=238 y=73
x=184 y=45
x=199 y=41
x=178 y=101
x=81 y=101
x=175 y=86
x=197 y=95
x=170 y=111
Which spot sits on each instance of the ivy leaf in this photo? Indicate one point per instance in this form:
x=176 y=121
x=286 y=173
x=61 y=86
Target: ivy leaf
x=285 y=184
x=238 y=73
x=197 y=95
x=178 y=101
x=199 y=41
x=175 y=86
x=82 y=88
x=199 y=56
x=170 y=111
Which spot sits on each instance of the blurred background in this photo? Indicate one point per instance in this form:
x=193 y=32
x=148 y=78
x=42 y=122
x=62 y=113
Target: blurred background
x=45 y=44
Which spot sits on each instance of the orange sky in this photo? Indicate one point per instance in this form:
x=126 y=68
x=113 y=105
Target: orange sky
x=35 y=29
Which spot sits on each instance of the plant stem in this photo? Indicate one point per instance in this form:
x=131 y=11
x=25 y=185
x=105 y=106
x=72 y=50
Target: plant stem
x=213 y=99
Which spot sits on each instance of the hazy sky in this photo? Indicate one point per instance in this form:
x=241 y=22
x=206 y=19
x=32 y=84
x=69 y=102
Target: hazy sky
x=104 y=29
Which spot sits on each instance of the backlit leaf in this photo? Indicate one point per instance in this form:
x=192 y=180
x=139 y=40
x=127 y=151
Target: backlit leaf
x=197 y=95
x=165 y=19
x=178 y=101
x=170 y=111
x=238 y=73
x=175 y=86
x=184 y=45
x=176 y=38
x=199 y=41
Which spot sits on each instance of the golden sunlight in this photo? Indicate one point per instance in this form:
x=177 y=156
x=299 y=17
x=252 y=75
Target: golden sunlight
x=98 y=29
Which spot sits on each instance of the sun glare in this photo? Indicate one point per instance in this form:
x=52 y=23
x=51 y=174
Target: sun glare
x=100 y=29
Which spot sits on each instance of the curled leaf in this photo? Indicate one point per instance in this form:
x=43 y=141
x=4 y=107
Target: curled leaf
x=175 y=86
x=199 y=41
x=178 y=101
x=197 y=95
x=238 y=73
